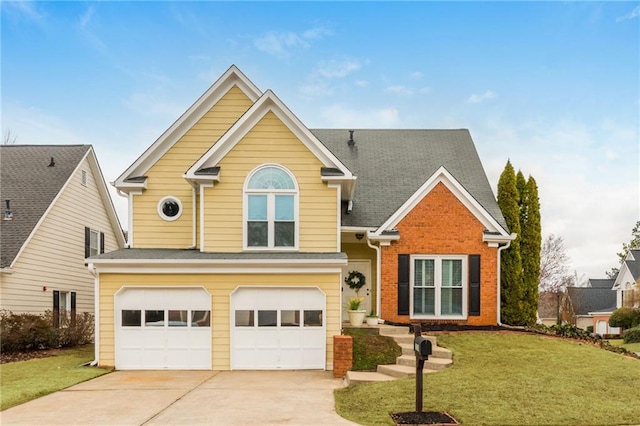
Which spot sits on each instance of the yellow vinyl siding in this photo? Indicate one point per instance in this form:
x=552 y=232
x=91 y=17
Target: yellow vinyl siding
x=270 y=141
x=361 y=251
x=165 y=176
x=54 y=257
x=220 y=287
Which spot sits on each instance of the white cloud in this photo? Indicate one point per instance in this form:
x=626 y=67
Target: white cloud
x=399 y=90
x=362 y=83
x=279 y=43
x=475 y=98
x=23 y=8
x=86 y=16
x=316 y=90
x=337 y=68
x=631 y=15
x=282 y=43
x=416 y=75
x=317 y=33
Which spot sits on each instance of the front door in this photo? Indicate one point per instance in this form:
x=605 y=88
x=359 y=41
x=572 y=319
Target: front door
x=364 y=267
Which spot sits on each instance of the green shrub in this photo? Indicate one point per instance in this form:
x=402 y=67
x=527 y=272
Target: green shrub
x=625 y=318
x=31 y=332
x=589 y=329
x=371 y=350
x=632 y=335
x=568 y=330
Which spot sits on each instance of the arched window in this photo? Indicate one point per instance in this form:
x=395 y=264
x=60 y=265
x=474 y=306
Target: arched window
x=271 y=201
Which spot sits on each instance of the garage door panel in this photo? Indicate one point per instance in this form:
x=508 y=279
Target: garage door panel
x=268 y=329
x=163 y=336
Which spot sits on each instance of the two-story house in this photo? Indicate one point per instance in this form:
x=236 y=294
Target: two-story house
x=56 y=211
x=243 y=224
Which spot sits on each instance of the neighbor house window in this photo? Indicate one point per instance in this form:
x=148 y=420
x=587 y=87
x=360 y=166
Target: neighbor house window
x=64 y=308
x=438 y=286
x=271 y=199
x=93 y=242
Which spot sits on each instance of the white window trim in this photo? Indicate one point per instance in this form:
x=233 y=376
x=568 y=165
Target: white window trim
x=161 y=213
x=271 y=193
x=438 y=285
x=97 y=248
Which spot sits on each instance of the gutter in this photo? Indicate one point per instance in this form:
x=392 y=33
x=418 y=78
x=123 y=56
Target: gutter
x=500 y=248
x=96 y=315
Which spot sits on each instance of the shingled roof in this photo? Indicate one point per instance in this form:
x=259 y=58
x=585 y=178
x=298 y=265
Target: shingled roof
x=591 y=299
x=31 y=184
x=391 y=164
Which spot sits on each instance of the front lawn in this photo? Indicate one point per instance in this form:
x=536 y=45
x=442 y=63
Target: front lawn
x=511 y=379
x=23 y=381
x=632 y=347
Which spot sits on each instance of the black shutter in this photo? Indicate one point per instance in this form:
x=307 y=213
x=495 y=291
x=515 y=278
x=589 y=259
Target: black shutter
x=56 y=309
x=474 y=284
x=73 y=309
x=101 y=242
x=87 y=242
x=403 y=284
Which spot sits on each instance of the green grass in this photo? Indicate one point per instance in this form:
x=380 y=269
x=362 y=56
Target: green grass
x=633 y=347
x=26 y=380
x=371 y=350
x=511 y=379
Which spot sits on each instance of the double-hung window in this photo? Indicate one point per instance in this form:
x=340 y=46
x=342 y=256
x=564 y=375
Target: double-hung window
x=271 y=199
x=439 y=286
x=93 y=242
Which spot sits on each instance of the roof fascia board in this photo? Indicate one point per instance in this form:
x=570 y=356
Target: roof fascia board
x=624 y=279
x=268 y=102
x=443 y=176
x=106 y=198
x=49 y=208
x=216 y=262
x=233 y=76
x=223 y=269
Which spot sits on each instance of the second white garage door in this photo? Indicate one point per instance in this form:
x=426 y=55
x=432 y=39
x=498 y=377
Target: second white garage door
x=278 y=328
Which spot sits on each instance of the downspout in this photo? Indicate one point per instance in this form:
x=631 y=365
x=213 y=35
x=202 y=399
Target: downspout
x=96 y=315
x=500 y=248
x=193 y=217
x=378 y=289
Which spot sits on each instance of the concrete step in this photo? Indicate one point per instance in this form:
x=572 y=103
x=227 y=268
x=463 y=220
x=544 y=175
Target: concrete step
x=400 y=371
x=438 y=352
x=388 y=330
x=409 y=338
x=366 y=377
x=431 y=363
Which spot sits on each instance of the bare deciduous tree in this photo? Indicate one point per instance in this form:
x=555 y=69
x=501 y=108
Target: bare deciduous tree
x=553 y=265
x=8 y=138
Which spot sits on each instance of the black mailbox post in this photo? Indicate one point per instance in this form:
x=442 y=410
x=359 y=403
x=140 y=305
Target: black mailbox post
x=422 y=348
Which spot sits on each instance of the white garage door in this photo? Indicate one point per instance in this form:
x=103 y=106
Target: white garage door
x=160 y=328
x=278 y=328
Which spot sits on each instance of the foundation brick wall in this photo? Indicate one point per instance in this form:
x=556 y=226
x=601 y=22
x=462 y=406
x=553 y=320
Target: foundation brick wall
x=440 y=224
x=342 y=355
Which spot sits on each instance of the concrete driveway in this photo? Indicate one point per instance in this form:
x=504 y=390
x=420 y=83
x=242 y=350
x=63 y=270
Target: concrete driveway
x=188 y=397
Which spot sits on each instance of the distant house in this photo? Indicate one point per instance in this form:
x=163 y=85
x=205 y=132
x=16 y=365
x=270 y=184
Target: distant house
x=592 y=305
x=56 y=212
x=549 y=303
x=627 y=283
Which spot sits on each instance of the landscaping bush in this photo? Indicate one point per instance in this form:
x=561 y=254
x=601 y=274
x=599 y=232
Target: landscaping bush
x=371 y=350
x=625 y=318
x=632 y=335
x=589 y=329
x=571 y=331
x=31 y=332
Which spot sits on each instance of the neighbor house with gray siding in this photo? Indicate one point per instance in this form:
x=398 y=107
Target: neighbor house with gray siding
x=56 y=211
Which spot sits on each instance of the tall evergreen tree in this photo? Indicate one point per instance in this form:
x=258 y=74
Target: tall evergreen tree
x=511 y=263
x=530 y=245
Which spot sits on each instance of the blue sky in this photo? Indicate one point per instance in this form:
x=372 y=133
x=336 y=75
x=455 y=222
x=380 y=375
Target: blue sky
x=552 y=86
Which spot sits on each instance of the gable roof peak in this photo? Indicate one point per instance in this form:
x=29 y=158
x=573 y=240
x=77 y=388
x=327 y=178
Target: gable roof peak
x=232 y=77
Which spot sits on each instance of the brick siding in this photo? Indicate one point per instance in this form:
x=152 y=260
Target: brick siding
x=440 y=224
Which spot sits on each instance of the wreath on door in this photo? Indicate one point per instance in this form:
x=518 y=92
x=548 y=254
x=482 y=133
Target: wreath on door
x=355 y=280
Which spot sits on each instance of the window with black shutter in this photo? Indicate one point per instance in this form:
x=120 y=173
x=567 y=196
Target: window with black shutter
x=474 y=284
x=403 y=284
